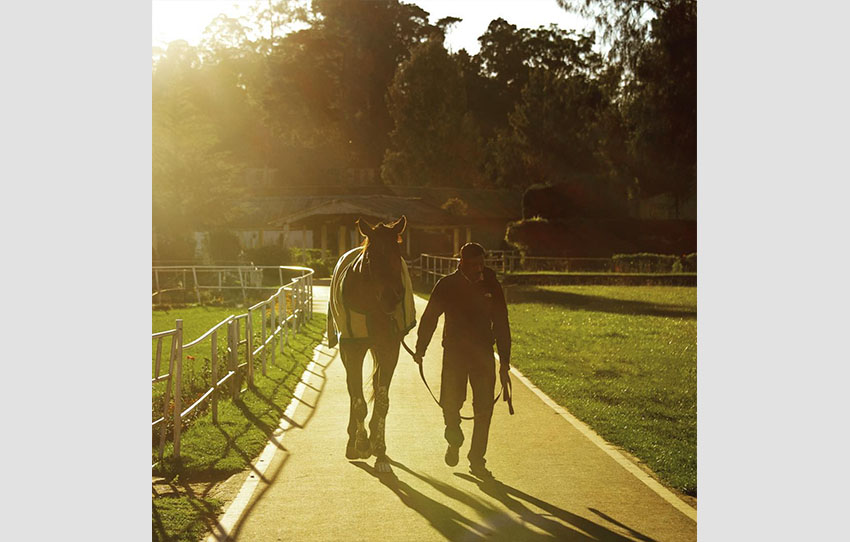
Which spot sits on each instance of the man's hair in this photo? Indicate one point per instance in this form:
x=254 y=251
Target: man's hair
x=471 y=250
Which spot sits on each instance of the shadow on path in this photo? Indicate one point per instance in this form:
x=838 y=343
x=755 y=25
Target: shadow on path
x=510 y=497
x=492 y=523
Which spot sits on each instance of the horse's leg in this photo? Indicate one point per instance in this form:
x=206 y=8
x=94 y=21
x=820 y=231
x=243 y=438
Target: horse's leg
x=386 y=359
x=358 y=442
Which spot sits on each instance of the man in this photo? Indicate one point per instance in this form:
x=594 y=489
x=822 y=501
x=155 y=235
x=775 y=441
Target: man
x=476 y=317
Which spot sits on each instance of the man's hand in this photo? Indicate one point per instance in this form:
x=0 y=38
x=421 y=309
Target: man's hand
x=418 y=358
x=504 y=369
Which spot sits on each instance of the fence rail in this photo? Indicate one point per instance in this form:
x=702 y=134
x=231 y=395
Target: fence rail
x=431 y=267
x=195 y=278
x=280 y=315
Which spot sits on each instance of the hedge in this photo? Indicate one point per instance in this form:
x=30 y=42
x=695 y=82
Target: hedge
x=645 y=262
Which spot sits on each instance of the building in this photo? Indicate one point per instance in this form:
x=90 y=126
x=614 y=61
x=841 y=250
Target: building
x=323 y=217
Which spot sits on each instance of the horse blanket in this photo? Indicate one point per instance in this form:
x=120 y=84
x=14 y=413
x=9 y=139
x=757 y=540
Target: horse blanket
x=345 y=324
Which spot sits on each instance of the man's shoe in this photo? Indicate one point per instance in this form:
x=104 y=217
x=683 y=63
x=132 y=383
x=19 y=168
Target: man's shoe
x=480 y=471
x=451 y=455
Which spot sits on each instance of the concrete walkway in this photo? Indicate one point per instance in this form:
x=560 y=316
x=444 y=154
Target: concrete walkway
x=553 y=482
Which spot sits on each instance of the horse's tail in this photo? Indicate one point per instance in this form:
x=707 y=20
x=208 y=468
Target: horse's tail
x=332 y=338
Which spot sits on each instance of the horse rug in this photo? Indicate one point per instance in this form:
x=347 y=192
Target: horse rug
x=345 y=324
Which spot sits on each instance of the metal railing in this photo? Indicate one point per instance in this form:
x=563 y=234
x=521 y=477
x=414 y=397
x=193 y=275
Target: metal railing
x=282 y=314
x=171 y=278
x=431 y=266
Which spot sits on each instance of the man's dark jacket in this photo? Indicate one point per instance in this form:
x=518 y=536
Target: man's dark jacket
x=476 y=314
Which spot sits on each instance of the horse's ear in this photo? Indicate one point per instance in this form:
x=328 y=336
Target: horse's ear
x=364 y=228
x=399 y=225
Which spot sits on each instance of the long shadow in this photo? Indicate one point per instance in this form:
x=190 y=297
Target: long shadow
x=269 y=480
x=497 y=525
x=581 y=302
x=451 y=524
x=505 y=494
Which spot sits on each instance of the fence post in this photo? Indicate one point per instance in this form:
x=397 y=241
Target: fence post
x=280 y=275
x=178 y=389
x=167 y=398
x=214 y=368
x=296 y=309
x=232 y=362
x=158 y=292
x=242 y=283
x=249 y=342
x=263 y=338
x=283 y=323
x=197 y=289
x=273 y=324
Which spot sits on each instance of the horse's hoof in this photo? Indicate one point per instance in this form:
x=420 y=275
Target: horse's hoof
x=363 y=446
x=352 y=453
x=364 y=453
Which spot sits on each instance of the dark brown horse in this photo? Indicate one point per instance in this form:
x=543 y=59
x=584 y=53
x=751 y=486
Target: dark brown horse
x=370 y=309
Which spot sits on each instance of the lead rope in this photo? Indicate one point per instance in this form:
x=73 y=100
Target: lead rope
x=506 y=387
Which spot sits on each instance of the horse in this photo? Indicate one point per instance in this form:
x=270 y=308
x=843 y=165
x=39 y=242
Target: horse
x=370 y=309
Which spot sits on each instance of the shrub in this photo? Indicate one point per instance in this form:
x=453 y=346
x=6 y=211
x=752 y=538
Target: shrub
x=689 y=263
x=455 y=206
x=172 y=248
x=644 y=263
x=224 y=246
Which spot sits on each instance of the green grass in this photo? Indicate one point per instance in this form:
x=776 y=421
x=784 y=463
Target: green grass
x=183 y=519
x=623 y=360
x=212 y=451
x=196 y=321
x=600 y=273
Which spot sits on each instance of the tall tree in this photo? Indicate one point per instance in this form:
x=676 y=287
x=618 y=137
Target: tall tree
x=660 y=105
x=193 y=177
x=653 y=43
x=434 y=141
x=328 y=82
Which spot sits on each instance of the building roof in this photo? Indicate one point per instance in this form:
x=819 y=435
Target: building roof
x=421 y=205
x=381 y=207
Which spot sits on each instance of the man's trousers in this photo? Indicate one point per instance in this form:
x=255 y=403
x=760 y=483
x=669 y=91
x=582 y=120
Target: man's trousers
x=476 y=365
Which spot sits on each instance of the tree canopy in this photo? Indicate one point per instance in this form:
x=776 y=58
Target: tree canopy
x=312 y=90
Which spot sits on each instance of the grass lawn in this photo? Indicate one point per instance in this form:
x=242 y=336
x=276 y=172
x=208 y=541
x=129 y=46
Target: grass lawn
x=623 y=360
x=213 y=451
x=196 y=321
x=183 y=519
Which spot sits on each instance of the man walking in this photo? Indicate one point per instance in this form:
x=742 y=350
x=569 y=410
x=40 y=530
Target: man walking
x=476 y=317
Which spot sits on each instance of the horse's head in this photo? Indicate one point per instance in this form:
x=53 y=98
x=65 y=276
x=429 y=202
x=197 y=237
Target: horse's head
x=382 y=261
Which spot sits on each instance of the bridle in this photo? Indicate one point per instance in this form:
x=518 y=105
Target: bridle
x=366 y=267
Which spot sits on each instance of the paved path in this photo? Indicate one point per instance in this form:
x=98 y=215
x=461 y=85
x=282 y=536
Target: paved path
x=554 y=483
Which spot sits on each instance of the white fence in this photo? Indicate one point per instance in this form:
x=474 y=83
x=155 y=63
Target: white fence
x=277 y=319
x=171 y=278
x=431 y=266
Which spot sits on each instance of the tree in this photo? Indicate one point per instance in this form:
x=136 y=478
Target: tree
x=556 y=127
x=625 y=24
x=194 y=179
x=328 y=82
x=653 y=43
x=434 y=141
x=660 y=105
